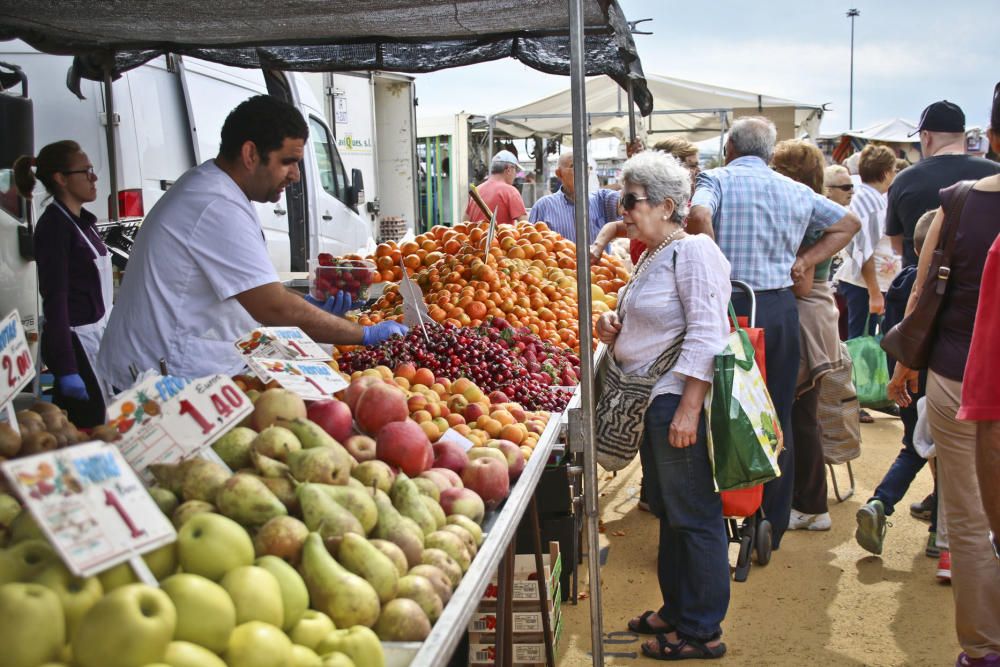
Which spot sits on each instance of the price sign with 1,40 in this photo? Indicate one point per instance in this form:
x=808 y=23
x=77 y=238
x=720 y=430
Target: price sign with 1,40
x=90 y=505
x=16 y=365
x=165 y=419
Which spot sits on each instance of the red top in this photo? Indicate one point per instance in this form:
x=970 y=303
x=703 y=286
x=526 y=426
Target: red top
x=635 y=250
x=499 y=196
x=980 y=398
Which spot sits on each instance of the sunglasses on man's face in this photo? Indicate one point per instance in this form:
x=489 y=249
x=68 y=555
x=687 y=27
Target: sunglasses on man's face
x=630 y=200
x=846 y=188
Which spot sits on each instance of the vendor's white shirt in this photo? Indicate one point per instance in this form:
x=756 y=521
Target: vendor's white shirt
x=667 y=301
x=200 y=245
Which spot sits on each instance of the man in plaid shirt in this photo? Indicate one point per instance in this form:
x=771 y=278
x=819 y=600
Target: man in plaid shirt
x=759 y=219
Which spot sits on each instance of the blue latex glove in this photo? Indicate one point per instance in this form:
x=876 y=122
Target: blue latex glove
x=377 y=333
x=72 y=386
x=335 y=305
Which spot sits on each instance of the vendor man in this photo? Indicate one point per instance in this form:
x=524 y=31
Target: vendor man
x=200 y=276
x=499 y=193
x=558 y=210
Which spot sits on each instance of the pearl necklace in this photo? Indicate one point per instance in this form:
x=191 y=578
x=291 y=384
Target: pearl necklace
x=645 y=259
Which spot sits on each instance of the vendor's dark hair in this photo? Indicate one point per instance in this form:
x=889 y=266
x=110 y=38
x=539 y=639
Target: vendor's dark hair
x=264 y=120
x=52 y=159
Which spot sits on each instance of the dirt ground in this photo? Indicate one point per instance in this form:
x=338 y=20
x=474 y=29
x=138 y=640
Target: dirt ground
x=821 y=601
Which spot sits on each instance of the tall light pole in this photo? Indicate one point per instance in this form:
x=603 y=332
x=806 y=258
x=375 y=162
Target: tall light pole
x=852 y=14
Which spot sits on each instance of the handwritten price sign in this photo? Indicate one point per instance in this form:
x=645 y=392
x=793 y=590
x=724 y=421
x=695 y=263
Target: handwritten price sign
x=312 y=380
x=165 y=419
x=281 y=343
x=90 y=505
x=16 y=365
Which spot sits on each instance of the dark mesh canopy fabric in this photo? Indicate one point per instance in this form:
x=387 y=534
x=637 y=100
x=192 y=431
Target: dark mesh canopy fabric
x=328 y=35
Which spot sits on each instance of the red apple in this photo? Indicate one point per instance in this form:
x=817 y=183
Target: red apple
x=450 y=475
x=334 y=417
x=489 y=478
x=404 y=444
x=451 y=456
x=497 y=397
x=514 y=456
x=361 y=447
x=378 y=405
x=463 y=501
x=473 y=411
x=358 y=387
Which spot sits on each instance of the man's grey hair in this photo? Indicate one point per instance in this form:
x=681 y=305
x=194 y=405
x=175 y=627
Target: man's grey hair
x=499 y=167
x=663 y=177
x=754 y=135
x=834 y=170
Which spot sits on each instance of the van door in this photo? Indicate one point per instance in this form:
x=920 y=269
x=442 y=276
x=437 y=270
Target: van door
x=295 y=194
x=211 y=91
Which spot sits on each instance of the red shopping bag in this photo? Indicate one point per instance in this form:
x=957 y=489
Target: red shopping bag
x=756 y=335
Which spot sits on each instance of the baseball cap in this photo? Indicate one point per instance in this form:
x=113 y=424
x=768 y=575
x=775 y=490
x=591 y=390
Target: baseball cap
x=943 y=116
x=506 y=157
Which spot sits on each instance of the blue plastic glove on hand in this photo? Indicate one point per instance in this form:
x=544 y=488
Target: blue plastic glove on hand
x=377 y=333
x=72 y=386
x=335 y=305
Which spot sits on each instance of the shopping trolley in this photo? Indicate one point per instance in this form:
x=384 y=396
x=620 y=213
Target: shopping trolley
x=746 y=524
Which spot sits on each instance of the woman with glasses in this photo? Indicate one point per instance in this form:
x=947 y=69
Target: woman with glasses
x=679 y=292
x=74 y=276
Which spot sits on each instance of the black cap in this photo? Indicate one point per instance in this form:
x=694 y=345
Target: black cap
x=943 y=116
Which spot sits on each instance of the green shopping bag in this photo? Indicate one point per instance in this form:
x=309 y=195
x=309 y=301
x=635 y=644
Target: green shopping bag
x=744 y=435
x=871 y=370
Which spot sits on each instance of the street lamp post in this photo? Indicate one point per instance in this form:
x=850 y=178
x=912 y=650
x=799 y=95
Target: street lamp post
x=852 y=14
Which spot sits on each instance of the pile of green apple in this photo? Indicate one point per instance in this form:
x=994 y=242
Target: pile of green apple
x=302 y=557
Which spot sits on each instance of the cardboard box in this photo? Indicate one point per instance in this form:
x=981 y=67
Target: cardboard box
x=525 y=653
x=525 y=585
x=526 y=617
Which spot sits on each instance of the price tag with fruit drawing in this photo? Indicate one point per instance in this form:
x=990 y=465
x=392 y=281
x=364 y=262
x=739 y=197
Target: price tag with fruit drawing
x=164 y=419
x=90 y=505
x=281 y=343
x=312 y=380
x=16 y=365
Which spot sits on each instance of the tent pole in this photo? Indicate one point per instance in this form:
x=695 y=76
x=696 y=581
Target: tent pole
x=489 y=141
x=631 y=113
x=578 y=98
x=722 y=136
x=109 y=110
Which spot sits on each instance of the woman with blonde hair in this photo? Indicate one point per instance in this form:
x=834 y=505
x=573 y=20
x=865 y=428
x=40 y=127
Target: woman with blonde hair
x=74 y=276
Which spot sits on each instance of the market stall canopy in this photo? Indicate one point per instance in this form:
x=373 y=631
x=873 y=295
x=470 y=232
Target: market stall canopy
x=686 y=108
x=328 y=35
x=895 y=131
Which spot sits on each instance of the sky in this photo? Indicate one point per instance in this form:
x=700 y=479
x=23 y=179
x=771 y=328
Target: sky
x=907 y=54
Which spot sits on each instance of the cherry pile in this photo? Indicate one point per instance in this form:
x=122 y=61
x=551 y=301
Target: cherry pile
x=546 y=362
x=453 y=352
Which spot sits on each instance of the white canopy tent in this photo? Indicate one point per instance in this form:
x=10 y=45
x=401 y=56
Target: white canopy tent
x=897 y=130
x=696 y=111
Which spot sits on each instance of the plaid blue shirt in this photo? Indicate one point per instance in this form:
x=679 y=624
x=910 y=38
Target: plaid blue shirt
x=760 y=218
x=557 y=211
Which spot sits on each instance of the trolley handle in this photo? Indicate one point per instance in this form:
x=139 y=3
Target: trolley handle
x=739 y=284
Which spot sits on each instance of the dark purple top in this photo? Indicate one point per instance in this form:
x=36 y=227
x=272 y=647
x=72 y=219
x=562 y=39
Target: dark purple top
x=977 y=229
x=67 y=280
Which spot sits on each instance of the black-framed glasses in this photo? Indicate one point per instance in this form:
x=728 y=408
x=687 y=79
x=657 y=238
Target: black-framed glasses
x=846 y=188
x=629 y=200
x=89 y=171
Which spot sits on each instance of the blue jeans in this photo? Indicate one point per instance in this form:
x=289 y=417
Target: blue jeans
x=857 y=309
x=693 y=558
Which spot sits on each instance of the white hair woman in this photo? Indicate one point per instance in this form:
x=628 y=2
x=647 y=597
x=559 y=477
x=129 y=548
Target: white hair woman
x=679 y=290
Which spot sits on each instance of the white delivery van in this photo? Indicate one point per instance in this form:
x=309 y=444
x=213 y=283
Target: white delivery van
x=168 y=116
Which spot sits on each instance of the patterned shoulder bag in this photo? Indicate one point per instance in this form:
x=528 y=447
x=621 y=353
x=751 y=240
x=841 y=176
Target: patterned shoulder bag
x=622 y=398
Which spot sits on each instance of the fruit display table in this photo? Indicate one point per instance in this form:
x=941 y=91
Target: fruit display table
x=500 y=528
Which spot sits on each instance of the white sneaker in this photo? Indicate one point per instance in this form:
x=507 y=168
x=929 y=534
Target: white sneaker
x=800 y=521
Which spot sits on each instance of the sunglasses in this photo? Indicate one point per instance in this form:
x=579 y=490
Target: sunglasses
x=89 y=171
x=630 y=200
x=845 y=188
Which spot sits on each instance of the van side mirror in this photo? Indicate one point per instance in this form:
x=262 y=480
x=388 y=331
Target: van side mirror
x=357 y=188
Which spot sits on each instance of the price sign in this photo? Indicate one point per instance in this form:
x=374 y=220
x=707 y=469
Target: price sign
x=312 y=380
x=164 y=419
x=90 y=505
x=16 y=365
x=281 y=343
x=414 y=307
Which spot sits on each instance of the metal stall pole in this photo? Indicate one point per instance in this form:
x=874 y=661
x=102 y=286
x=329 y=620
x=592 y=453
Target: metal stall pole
x=631 y=113
x=722 y=137
x=578 y=98
x=489 y=142
x=109 y=110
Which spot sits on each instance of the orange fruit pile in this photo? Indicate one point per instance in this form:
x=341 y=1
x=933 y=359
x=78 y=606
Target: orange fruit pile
x=528 y=277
